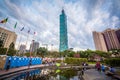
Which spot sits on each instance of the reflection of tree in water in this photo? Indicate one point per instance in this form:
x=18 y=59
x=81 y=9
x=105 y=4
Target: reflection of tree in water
x=63 y=78
x=63 y=74
x=68 y=73
x=42 y=78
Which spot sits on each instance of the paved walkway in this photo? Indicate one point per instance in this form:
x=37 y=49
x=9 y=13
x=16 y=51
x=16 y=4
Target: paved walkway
x=92 y=74
x=3 y=72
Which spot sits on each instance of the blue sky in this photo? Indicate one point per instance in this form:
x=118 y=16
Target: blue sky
x=42 y=16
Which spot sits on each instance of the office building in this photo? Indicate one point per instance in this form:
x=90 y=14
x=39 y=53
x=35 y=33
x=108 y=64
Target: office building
x=99 y=41
x=63 y=45
x=118 y=34
x=34 y=46
x=106 y=40
x=7 y=37
x=111 y=39
x=22 y=49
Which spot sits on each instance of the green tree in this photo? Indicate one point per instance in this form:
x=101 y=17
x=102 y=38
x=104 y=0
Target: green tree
x=12 y=46
x=42 y=51
x=102 y=54
x=11 y=50
x=89 y=53
x=28 y=54
x=1 y=43
x=83 y=54
x=2 y=51
x=67 y=53
x=115 y=51
x=53 y=54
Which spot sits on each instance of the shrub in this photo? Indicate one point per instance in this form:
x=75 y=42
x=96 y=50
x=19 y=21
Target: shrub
x=113 y=62
x=58 y=61
x=3 y=51
x=77 y=61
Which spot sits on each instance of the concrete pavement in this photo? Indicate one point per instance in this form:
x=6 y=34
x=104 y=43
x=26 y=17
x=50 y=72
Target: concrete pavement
x=92 y=74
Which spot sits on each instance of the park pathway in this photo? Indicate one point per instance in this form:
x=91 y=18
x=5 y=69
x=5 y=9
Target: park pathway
x=92 y=74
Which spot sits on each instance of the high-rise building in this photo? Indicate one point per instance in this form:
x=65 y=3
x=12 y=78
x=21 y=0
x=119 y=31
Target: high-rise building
x=106 y=40
x=22 y=48
x=99 y=41
x=7 y=37
x=111 y=39
x=63 y=45
x=118 y=34
x=34 y=46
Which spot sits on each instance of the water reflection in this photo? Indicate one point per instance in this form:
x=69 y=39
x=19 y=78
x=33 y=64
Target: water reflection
x=66 y=74
x=117 y=69
x=48 y=74
x=30 y=75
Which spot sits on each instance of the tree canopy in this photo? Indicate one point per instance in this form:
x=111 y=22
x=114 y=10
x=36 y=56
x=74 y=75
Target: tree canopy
x=1 y=43
x=42 y=51
x=12 y=46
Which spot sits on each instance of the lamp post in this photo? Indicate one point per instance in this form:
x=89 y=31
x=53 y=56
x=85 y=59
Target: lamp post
x=51 y=47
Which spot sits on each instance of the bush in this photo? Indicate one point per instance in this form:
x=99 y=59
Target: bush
x=113 y=62
x=58 y=61
x=28 y=54
x=76 y=61
x=11 y=52
x=3 y=51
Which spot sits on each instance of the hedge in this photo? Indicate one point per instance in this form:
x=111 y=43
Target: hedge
x=70 y=60
x=115 y=62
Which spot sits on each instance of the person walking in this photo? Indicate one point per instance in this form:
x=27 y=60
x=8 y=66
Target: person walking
x=98 y=66
x=103 y=68
x=84 y=66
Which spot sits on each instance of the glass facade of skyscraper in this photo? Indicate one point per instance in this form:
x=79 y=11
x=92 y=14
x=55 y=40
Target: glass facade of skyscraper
x=63 y=32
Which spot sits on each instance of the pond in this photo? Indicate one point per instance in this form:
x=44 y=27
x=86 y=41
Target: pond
x=117 y=70
x=48 y=74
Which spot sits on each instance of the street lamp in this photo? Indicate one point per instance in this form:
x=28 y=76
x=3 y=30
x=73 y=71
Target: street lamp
x=51 y=47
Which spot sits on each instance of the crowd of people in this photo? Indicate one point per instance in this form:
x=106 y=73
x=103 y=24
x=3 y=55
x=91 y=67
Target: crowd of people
x=102 y=67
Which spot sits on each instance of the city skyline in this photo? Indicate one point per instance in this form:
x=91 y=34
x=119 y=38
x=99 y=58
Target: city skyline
x=83 y=17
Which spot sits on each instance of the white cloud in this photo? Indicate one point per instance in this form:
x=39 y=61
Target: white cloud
x=43 y=17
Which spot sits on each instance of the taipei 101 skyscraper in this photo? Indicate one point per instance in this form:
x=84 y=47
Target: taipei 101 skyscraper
x=63 y=45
